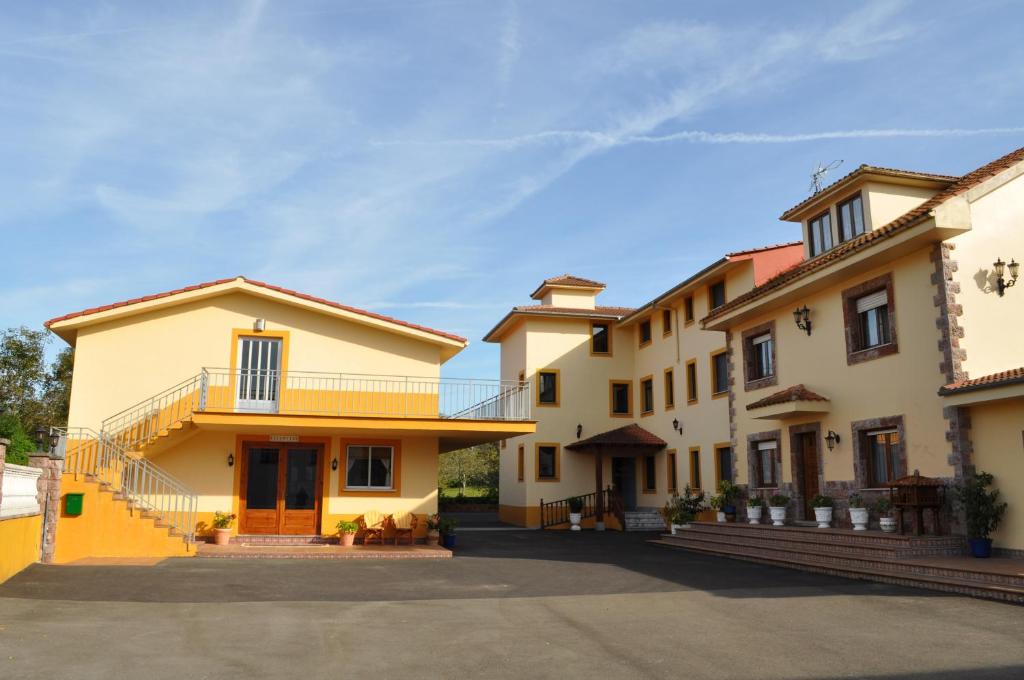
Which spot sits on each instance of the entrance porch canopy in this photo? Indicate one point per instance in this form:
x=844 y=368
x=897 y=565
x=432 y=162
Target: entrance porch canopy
x=629 y=440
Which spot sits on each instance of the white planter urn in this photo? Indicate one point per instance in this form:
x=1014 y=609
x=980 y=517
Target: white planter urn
x=676 y=527
x=824 y=517
x=859 y=517
x=778 y=515
x=888 y=524
x=720 y=516
x=574 y=519
x=754 y=514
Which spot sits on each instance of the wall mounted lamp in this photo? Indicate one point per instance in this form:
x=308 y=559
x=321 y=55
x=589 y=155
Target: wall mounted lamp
x=231 y=460
x=579 y=431
x=334 y=464
x=802 y=316
x=677 y=426
x=259 y=325
x=831 y=439
x=999 y=266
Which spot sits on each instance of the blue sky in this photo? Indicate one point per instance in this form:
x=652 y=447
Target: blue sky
x=435 y=160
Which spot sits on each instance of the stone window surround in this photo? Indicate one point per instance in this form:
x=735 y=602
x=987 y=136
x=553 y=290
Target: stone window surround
x=851 y=320
x=747 y=335
x=752 y=458
x=859 y=428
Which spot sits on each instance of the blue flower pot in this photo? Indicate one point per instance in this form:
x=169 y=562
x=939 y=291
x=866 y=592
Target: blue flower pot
x=981 y=547
x=729 y=509
x=448 y=541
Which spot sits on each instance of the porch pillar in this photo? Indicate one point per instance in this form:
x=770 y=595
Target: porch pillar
x=599 y=504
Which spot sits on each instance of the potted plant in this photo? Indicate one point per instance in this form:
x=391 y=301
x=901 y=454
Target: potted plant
x=433 y=529
x=348 y=530
x=886 y=521
x=858 y=513
x=222 y=527
x=718 y=503
x=755 y=506
x=447 y=528
x=729 y=492
x=822 y=505
x=777 y=509
x=575 y=512
x=984 y=511
x=672 y=514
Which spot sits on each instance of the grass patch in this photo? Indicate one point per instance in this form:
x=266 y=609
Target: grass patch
x=471 y=492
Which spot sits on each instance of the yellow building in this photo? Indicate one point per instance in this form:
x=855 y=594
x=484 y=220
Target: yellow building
x=898 y=296
x=290 y=411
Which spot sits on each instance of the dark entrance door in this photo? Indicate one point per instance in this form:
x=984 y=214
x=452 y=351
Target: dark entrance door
x=809 y=471
x=280 y=489
x=624 y=480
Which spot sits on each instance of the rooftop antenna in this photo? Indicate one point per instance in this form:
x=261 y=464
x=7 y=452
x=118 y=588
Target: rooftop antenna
x=818 y=176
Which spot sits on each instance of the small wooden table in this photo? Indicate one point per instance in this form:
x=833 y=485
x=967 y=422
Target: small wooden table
x=916 y=494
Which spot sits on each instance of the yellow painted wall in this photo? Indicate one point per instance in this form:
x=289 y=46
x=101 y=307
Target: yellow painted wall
x=567 y=297
x=19 y=544
x=905 y=383
x=106 y=528
x=121 y=362
x=885 y=202
x=997 y=434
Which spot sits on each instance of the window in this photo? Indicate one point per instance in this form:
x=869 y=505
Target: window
x=547 y=463
x=369 y=467
x=688 y=310
x=881 y=456
x=647 y=395
x=719 y=373
x=620 y=396
x=767 y=468
x=600 y=339
x=873 y=319
x=695 y=469
x=521 y=463
x=819 y=234
x=666 y=322
x=723 y=463
x=691 y=381
x=673 y=484
x=547 y=388
x=670 y=389
x=650 y=475
x=716 y=295
x=869 y=314
x=851 y=218
x=644 y=332
x=762 y=357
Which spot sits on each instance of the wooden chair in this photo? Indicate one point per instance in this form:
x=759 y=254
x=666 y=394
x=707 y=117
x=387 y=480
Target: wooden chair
x=404 y=525
x=372 y=525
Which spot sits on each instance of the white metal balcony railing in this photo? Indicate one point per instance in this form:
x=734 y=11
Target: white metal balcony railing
x=87 y=452
x=311 y=393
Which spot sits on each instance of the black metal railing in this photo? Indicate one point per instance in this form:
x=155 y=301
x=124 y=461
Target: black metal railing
x=553 y=513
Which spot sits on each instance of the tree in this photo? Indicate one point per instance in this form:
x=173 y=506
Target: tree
x=475 y=466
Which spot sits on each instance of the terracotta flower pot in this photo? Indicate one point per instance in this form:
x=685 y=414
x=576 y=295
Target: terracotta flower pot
x=348 y=539
x=433 y=538
x=221 y=536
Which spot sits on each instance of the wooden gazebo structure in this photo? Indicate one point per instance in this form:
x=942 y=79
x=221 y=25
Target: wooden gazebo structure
x=627 y=441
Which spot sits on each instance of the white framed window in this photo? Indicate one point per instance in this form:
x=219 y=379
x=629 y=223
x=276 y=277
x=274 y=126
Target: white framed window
x=763 y=356
x=767 y=471
x=369 y=467
x=873 y=315
x=819 y=234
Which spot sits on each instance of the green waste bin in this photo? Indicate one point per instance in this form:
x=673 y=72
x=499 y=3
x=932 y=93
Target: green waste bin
x=73 y=504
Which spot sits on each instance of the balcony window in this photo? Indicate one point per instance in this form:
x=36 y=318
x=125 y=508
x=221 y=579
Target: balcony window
x=369 y=467
x=851 y=218
x=819 y=234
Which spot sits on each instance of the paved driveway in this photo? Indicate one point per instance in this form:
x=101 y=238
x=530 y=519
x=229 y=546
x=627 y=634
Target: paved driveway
x=512 y=604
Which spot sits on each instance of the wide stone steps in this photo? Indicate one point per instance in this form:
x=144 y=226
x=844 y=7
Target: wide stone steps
x=857 y=559
x=644 y=521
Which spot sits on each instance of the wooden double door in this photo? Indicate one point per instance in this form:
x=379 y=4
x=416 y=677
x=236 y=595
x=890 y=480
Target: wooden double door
x=281 y=488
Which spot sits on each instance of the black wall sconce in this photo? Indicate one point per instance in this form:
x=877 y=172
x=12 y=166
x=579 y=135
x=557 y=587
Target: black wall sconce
x=677 y=426
x=334 y=464
x=1002 y=284
x=802 y=316
x=831 y=439
x=231 y=460
x=579 y=431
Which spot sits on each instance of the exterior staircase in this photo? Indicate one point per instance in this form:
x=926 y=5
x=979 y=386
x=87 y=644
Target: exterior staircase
x=933 y=562
x=643 y=520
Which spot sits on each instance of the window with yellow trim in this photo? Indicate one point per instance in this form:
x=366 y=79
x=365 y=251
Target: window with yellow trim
x=650 y=475
x=521 y=463
x=720 y=373
x=600 y=338
x=666 y=322
x=688 y=316
x=547 y=388
x=673 y=484
x=695 y=469
x=644 y=332
x=670 y=388
x=620 y=398
x=547 y=462
x=691 y=381
x=647 y=395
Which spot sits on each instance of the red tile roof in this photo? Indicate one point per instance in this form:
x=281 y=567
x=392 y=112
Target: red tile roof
x=1010 y=377
x=628 y=435
x=574 y=311
x=868 y=170
x=761 y=249
x=794 y=393
x=261 y=284
x=905 y=221
x=570 y=280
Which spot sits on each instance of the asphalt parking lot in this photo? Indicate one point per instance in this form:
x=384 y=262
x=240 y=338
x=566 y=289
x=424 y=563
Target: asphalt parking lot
x=511 y=604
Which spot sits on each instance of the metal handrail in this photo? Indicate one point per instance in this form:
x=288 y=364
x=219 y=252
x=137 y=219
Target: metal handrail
x=91 y=453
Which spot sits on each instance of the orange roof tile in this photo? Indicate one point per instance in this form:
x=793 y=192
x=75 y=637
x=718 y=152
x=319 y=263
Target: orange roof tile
x=628 y=435
x=261 y=284
x=794 y=393
x=1010 y=377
